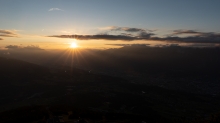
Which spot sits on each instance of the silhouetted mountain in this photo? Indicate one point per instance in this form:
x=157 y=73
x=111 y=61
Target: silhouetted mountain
x=16 y=70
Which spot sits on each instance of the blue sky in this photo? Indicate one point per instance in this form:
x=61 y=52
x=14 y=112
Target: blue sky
x=88 y=16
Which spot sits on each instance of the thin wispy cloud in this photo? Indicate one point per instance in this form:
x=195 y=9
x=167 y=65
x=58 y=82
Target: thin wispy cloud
x=7 y=33
x=126 y=29
x=55 y=9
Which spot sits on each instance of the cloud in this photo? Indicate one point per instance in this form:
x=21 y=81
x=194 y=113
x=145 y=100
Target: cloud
x=32 y=47
x=191 y=32
x=55 y=9
x=12 y=46
x=128 y=44
x=29 y=47
x=125 y=33
x=178 y=32
x=99 y=36
x=127 y=29
x=132 y=34
x=202 y=45
x=7 y=33
x=193 y=36
x=145 y=35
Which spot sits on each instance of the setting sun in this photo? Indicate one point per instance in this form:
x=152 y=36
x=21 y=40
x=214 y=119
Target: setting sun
x=73 y=45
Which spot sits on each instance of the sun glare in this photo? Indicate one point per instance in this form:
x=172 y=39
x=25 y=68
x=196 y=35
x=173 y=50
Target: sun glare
x=73 y=45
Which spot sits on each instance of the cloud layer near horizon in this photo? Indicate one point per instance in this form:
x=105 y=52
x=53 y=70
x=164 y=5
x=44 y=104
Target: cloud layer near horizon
x=29 y=47
x=132 y=34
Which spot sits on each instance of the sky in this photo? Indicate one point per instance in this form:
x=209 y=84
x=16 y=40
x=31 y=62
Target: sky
x=55 y=24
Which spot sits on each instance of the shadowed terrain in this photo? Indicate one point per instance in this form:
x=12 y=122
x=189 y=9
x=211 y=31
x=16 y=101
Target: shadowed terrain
x=173 y=85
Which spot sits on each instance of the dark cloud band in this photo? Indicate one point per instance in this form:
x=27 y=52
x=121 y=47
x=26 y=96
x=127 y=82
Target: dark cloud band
x=104 y=37
x=128 y=44
x=141 y=34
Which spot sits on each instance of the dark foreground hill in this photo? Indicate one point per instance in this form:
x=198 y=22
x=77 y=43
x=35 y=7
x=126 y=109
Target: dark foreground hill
x=31 y=93
x=12 y=70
